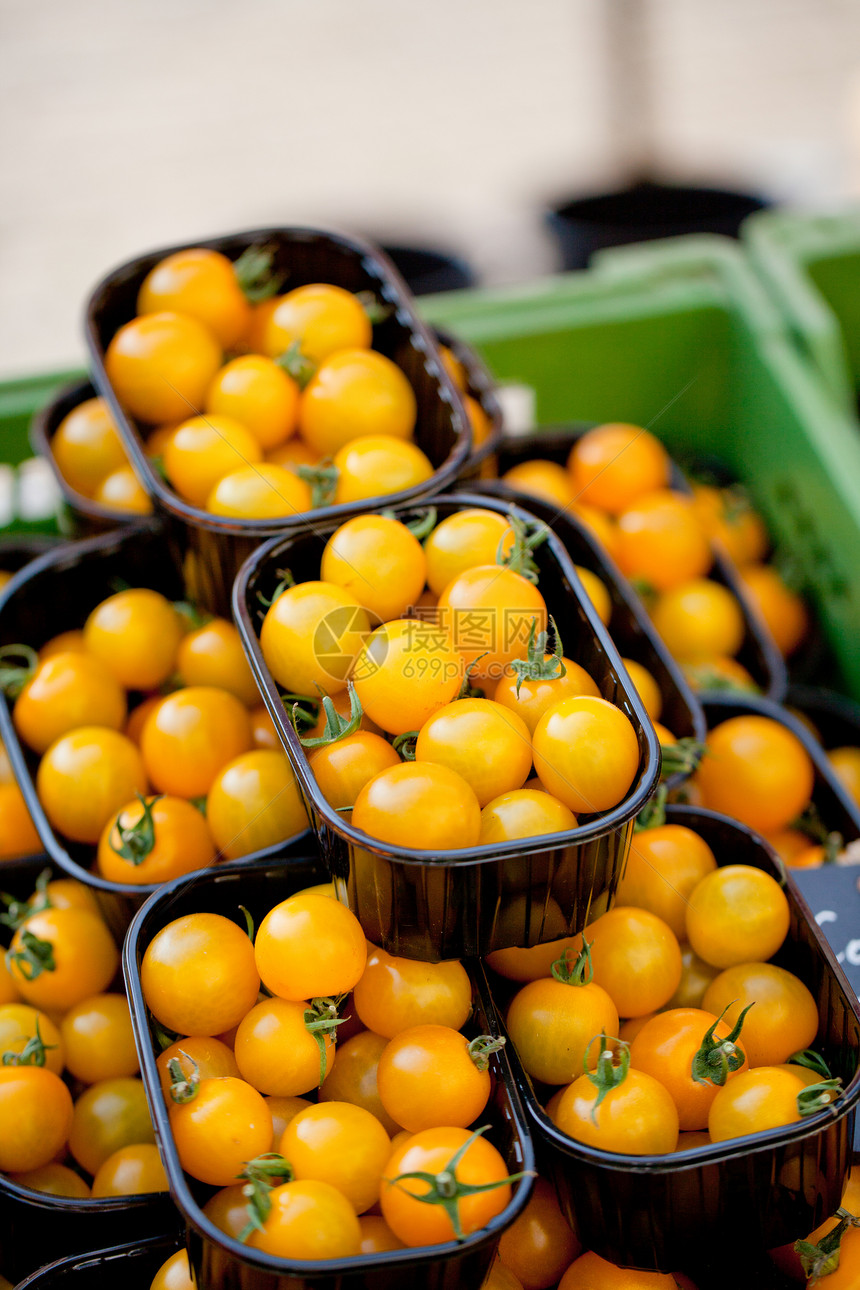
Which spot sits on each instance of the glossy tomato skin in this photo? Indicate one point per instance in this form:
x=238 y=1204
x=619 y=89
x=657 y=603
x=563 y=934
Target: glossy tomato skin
x=462 y=541
x=784 y=1019
x=161 y=366
x=87 y=447
x=523 y=813
x=379 y=561
x=36 y=1111
x=614 y=464
x=341 y=1144
x=419 y=804
x=756 y=771
x=259 y=395
x=212 y=1057
x=259 y=492
x=664 y=866
x=135 y=634
x=201 y=284
x=131 y=1171
x=19 y=1023
x=665 y=1048
x=637 y=959
x=405 y=671
x=376 y=465
x=67 y=691
x=98 y=1039
x=309 y=946
x=355 y=393
x=311 y=636
x=277 y=1054
x=737 y=914
x=254 y=802
x=18 y=833
x=110 y=1114
x=309 y=1220
x=213 y=655
x=182 y=843
x=552 y=1023
x=661 y=541
x=544 y=479
x=637 y=1117
x=698 y=619
x=342 y=769
x=427 y=1078
x=224 y=1125
x=490 y=611
x=591 y=1272
x=354 y=1077
x=85 y=777
x=760 y=1099
x=191 y=736
x=539 y=1245
x=199 y=976
x=82 y=951
x=586 y=753
x=482 y=741
x=175 y=1274
x=121 y=490
x=537 y=697
x=430 y=1151
x=394 y=993
x=321 y=317
x=202 y=450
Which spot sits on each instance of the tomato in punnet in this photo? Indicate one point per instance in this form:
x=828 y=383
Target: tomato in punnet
x=321 y=318
x=492 y=613
x=719 y=672
x=19 y=1024
x=36 y=1113
x=308 y=1220
x=135 y=634
x=201 y=284
x=309 y=946
x=664 y=866
x=210 y=1056
x=637 y=959
x=377 y=464
x=539 y=1244
x=191 y=736
x=737 y=914
x=254 y=802
x=354 y=1077
x=85 y=777
x=847 y=1273
x=462 y=541
x=484 y=742
x=406 y=670
x=394 y=993
x=87 y=447
x=131 y=1171
x=539 y=682
x=259 y=492
x=614 y=464
x=18 y=834
x=757 y=771
x=523 y=813
x=696 y=976
x=756 y=1100
x=258 y=394
x=591 y=1272
x=59 y=957
x=175 y=1274
x=153 y=840
x=531 y=964
x=784 y=1019
x=661 y=541
x=419 y=805
x=500 y=1277
x=121 y=490
x=161 y=366
x=137 y=717
x=199 y=976
x=212 y=654
x=283 y=1109
x=597 y=593
x=311 y=636
x=646 y=687
x=56 y=1180
x=354 y=393
x=110 y=1114
x=202 y=450
x=277 y=1053
x=783 y=611
x=698 y=619
x=586 y=753
x=223 y=1124
x=617 y=1108
x=263 y=733
x=379 y=561
x=693 y=1055
x=431 y=1076
x=98 y=1039
x=342 y=768
x=376 y=1236
x=544 y=479
x=340 y=1144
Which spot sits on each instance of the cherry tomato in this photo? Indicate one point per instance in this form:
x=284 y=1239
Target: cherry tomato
x=523 y=813
x=202 y=450
x=666 y=1048
x=719 y=672
x=161 y=838
x=342 y=769
x=354 y=393
x=615 y=464
x=544 y=479
x=783 y=611
x=354 y=1077
x=597 y=593
x=552 y=1021
x=698 y=619
x=765 y=1098
x=8 y=989
x=310 y=946
x=131 y=1171
x=377 y=560
x=696 y=976
x=213 y=655
x=108 y=1115
x=394 y=993
x=308 y=1220
x=199 y=976
x=406 y=670
x=539 y=1244
x=292 y=454
x=198 y=283
x=276 y=1052
x=54 y=1179
x=66 y=893
x=462 y=541
x=586 y=753
x=646 y=687
x=135 y=634
x=484 y=742
x=87 y=447
x=98 y=1039
x=283 y=1109
x=36 y=1114
x=417 y=1223
x=374 y=465
x=323 y=318
x=531 y=964
x=340 y=1144
x=636 y=959
x=591 y=1272
x=784 y=1019
x=419 y=804
x=137 y=717
x=376 y=1236
x=757 y=771
x=664 y=866
x=490 y=612
x=730 y=519
x=225 y=1124
x=191 y=736
x=121 y=490
x=737 y=914
x=260 y=492
x=175 y=1274
x=636 y=1117
x=260 y=395
x=263 y=733
x=85 y=777
x=18 y=1026
x=211 y=1057
x=846 y=763
x=599 y=525
x=661 y=542
x=228 y=1208
x=161 y=366
x=61 y=956
x=254 y=802
x=18 y=835
x=311 y=636
x=431 y=1076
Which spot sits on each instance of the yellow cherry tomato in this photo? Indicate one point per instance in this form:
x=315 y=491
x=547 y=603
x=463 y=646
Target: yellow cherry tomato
x=85 y=777
x=213 y=655
x=201 y=451
x=135 y=634
x=259 y=492
x=55 y=1180
x=354 y=393
x=783 y=611
x=544 y=479
x=18 y=835
x=586 y=753
x=131 y=1171
x=614 y=464
x=311 y=635
x=421 y=805
x=67 y=691
x=376 y=465
x=98 y=1039
x=523 y=813
x=531 y=699
x=846 y=763
x=484 y=742
x=340 y=1144
x=254 y=802
x=462 y=541
x=154 y=841
x=121 y=490
x=87 y=447
x=737 y=914
x=199 y=976
x=698 y=619
x=379 y=561
x=341 y=769
x=597 y=593
x=161 y=365
x=19 y=1025
x=109 y=1115
x=199 y=283
x=260 y=395
x=323 y=319
x=191 y=736
x=406 y=670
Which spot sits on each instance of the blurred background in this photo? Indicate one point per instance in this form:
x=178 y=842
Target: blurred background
x=455 y=125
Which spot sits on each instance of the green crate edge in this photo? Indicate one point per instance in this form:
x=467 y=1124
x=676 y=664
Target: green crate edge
x=815 y=515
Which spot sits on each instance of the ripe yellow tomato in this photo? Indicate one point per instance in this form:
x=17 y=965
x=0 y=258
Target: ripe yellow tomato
x=544 y=479
x=308 y=1220
x=757 y=771
x=637 y=959
x=523 y=813
x=202 y=450
x=484 y=742
x=135 y=634
x=226 y=1124
x=637 y=1117
x=260 y=492
x=323 y=319
x=175 y=1274
x=87 y=447
x=491 y=612
x=277 y=1054
x=36 y=1112
x=755 y=1100
x=254 y=802
x=155 y=841
x=394 y=993
x=199 y=976
x=614 y=464
x=379 y=561
x=531 y=699
x=213 y=655
x=377 y=464
x=260 y=395
x=354 y=393
x=586 y=753
x=201 y=284
x=784 y=1019
x=339 y=1144
x=121 y=490
x=19 y=1023
x=341 y=769
x=61 y=956
x=664 y=866
x=354 y=1077
x=311 y=635
x=462 y=541
x=737 y=914
x=308 y=947
x=109 y=1115
x=405 y=671
x=98 y=1038
x=191 y=736
x=661 y=541
x=698 y=619
x=783 y=611
x=85 y=777
x=65 y=692
x=131 y=1171
x=161 y=366
x=421 y=805
x=56 y=1180
x=18 y=835
x=646 y=686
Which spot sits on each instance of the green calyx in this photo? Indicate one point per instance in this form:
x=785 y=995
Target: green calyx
x=703 y=676
x=323 y=479
x=16 y=912
x=717 y=1059
x=18 y=664
x=255 y=273
x=183 y=1088
x=682 y=756
x=538 y=665
x=376 y=311
x=136 y=841
x=811 y=823
x=336 y=726
x=193 y=617
x=297 y=365
x=445 y=1188
x=262 y=1174
x=286 y=580
x=321 y=1019
x=607 y=1075
x=520 y=558
x=304 y=710
x=482 y=1047
x=32 y=1054
x=580 y=971
x=812 y=1060
x=653 y=813
x=33 y=958
x=815 y=1097
x=404 y=745
x=818 y=1261
x=467 y=690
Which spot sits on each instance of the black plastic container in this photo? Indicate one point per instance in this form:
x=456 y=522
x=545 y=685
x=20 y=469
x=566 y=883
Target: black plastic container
x=18 y=549
x=471 y=900
x=220 y=1260
x=36 y=1228
x=132 y=1265
x=663 y=1212
x=629 y=626
x=56 y=593
x=482 y=388
x=427 y=271
x=758 y=652
x=81 y=516
x=642 y=212
x=218 y=546
x=838 y=811
x=835 y=717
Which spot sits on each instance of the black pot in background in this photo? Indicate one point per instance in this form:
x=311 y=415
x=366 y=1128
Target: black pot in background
x=643 y=212
x=427 y=271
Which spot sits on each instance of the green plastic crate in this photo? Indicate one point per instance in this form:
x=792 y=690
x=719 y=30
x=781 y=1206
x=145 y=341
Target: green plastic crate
x=811 y=265
x=682 y=338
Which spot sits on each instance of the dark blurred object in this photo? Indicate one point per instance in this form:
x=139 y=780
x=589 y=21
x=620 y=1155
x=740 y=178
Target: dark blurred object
x=427 y=271
x=642 y=212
